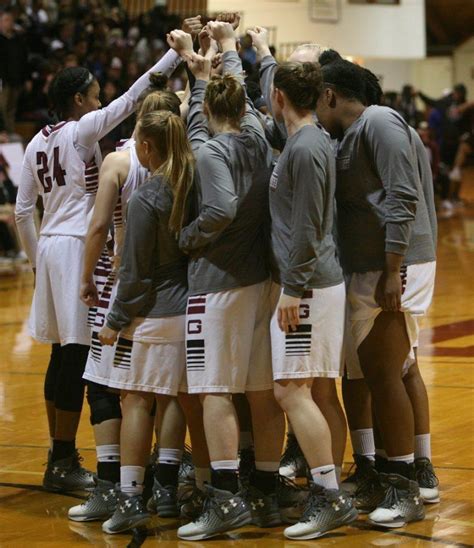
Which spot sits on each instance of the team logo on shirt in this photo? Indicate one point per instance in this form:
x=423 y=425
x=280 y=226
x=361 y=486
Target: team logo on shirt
x=274 y=180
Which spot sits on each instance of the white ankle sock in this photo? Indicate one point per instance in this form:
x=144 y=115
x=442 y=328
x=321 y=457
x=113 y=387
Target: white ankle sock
x=267 y=466
x=202 y=476
x=246 y=440
x=131 y=480
x=108 y=453
x=403 y=458
x=225 y=464
x=423 y=446
x=325 y=476
x=363 y=442
x=170 y=456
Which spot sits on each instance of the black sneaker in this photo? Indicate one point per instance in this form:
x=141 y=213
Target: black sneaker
x=292 y=499
x=222 y=512
x=326 y=509
x=129 y=513
x=292 y=463
x=164 y=501
x=369 y=493
x=402 y=503
x=427 y=480
x=246 y=464
x=264 y=508
x=67 y=475
x=363 y=466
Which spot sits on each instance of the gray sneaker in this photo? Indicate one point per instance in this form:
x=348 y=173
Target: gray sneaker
x=129 y=513
x=223 y=511
x=292 y=499
x=402 y=503
x=192 y=503
x=100 y=505
x=164 y=501
x=67 y=475
x=327 y=509
x=427 y=480
x=264 y=508
x=363 y=467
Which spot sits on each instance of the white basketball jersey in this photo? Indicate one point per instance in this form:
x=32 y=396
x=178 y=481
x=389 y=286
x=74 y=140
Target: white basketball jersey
x=137 y=174
x=67 y=184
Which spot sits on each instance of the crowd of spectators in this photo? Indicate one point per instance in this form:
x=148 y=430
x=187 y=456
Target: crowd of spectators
x=40 y=37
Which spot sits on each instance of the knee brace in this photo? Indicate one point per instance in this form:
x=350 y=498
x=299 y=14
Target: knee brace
x=104 y=405
x=69 y=394
x=52 y=373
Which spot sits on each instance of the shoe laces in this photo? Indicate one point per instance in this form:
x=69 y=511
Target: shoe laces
x=425 y=474
x=369 y=483
x=393 y=496
x=318 y=501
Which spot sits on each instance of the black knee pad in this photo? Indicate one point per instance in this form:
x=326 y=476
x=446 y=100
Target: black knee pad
x=70 y=385
x=104 y=405
x=52 y=373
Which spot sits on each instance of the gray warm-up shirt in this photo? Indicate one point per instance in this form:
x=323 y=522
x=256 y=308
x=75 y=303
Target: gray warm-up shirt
x=302 y=211
x=380 y=203
x=426 y=177
x=153 y=272
x=228 y=241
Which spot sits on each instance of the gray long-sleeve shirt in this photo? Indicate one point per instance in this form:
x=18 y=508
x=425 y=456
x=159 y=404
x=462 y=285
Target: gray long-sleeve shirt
x=153 y=271
x=302 y=211
x=228 y=241
x=380 y=203
x=426 y=178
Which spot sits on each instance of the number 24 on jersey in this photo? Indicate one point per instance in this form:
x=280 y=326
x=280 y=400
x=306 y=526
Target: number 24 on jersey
x=58 y=173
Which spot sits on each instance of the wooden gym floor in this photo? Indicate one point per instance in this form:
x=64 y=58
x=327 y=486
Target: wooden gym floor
x=31 y=517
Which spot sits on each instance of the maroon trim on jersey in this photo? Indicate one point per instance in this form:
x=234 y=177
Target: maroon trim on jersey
x=91 y=172
x=120 y=143
x=47 y=130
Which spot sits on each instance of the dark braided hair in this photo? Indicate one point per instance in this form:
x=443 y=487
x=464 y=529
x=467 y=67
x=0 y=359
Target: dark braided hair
x=373 y=90
x=65 y=85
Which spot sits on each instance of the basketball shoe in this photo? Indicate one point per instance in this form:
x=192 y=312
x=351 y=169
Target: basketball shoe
x=427 y=480
x=264 y=508
x=222 y=511
x=100 y=504
x=129 y=513
x=67 y=475
x=292 y=463
x=164 y=501
x=326 y=509
x=292 y=499
x=402 y=503
x=363 y=468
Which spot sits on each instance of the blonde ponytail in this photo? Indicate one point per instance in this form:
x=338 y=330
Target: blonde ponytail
x=167 y=134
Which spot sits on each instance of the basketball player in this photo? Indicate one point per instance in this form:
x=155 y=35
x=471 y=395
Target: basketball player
x=386 y=244
x=357 y=397
x=148 y=314
x=120 y=175
x=227 y=337
x=324 y=389
x=61 y=164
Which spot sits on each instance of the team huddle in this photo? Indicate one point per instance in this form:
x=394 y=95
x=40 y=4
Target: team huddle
x=216 y=274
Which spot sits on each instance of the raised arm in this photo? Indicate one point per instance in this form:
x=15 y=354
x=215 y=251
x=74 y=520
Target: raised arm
x=25 y=210
x=113 y=173
x=219 y=200
x=268 y=63
x=95 y=125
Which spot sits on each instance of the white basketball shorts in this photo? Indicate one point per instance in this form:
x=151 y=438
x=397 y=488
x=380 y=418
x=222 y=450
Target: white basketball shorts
x=418 y=286
x=228 y=341
x=315 y=349
x=57 y=314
